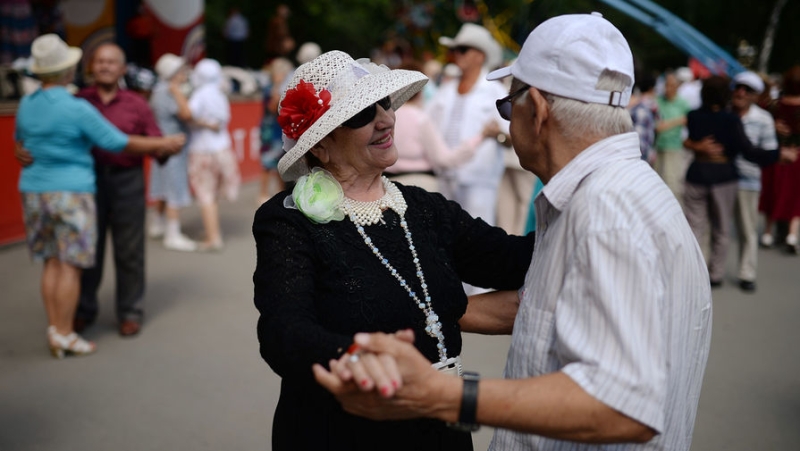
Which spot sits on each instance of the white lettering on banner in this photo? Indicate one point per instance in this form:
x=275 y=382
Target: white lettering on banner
x=255 y=143
x=238 y=136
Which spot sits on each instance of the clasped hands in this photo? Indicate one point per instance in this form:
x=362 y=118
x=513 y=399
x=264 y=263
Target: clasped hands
x=384 y=377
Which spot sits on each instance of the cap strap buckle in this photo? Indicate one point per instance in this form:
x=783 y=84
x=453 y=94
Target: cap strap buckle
x=615 y=98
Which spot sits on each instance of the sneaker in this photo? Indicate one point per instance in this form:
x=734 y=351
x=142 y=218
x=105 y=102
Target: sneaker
x=180 y=243
x=157 y=227
x=767 y=240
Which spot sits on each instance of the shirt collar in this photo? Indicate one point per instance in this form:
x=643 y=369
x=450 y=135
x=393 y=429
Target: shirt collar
x=560 y=189
x=92 y=93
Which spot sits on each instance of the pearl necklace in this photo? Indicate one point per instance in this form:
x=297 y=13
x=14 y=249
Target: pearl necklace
x=368 y=213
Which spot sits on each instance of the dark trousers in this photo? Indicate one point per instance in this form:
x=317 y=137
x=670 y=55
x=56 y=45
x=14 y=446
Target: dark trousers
x=120 y=202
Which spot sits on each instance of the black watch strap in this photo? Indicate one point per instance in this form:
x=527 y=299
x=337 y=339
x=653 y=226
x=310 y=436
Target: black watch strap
x=469 y=401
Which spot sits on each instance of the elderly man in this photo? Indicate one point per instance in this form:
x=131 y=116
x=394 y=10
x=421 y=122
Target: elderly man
x=459 y=109
x=612 y=334
x=120 y=194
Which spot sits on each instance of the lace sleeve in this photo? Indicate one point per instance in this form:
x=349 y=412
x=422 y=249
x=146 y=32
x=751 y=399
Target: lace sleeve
x=290 y=334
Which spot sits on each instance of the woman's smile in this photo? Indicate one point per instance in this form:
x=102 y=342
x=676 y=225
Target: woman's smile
x=384 y=142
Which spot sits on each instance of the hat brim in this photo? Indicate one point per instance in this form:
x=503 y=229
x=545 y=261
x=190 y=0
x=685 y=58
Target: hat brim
x=503 y=72
x=399 y=85
x=447 y=42
x=74 y=55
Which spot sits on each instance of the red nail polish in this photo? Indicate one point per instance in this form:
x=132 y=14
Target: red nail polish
x=353 y=348
x=385 y=390
x=364 y=383
x=395 y=384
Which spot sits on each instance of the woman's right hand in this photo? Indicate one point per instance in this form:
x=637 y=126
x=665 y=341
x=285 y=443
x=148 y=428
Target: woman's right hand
x=370 y=371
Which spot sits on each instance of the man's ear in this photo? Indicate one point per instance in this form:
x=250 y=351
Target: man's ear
x=540 y=110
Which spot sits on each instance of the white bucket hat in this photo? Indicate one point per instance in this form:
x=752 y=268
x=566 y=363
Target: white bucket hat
x=476 y=36
x=168 y=65
x=565 y=56
x=51 y=54
x=350 y=86
x=749 y=79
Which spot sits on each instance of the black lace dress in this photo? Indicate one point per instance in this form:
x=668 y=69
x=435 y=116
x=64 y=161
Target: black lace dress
x=316 y=285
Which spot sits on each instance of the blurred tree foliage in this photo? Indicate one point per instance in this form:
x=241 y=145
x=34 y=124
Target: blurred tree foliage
x=360 y=26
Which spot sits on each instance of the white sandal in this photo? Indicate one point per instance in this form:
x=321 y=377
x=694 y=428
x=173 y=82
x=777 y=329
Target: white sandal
x=70 y=344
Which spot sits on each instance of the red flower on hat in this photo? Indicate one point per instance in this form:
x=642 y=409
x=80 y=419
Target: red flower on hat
x=301 y=107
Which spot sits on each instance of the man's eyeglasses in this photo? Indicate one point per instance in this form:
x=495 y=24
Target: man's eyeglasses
x=367 y=115
x=746 y=88
x=462 y=49
x=504 y=105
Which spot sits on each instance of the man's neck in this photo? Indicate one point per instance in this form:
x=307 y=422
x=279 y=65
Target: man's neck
x=107 y=92
x=742 y=111
x=468 y=79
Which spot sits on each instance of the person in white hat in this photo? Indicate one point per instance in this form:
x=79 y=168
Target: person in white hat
x=55 y=132
x=349 y=250
x=461 y=107
x=169 y=182
x=213 y=170
x=612 y=335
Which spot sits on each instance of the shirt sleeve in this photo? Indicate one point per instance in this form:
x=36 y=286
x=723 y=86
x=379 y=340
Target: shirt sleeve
x=99 y=130
x=439 y=155
x=608 y=326
x=485 y=256
x=148 y=124
x=768 y=139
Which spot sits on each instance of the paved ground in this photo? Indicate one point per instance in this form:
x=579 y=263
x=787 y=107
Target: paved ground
x=194 y=380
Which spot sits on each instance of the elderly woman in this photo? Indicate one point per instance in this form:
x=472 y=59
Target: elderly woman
x=55 y=132
x=169 y=182
x=212 y=164
x=348 y=250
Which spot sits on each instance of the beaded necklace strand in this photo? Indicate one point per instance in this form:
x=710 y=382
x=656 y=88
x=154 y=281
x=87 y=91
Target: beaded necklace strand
x=367 y=213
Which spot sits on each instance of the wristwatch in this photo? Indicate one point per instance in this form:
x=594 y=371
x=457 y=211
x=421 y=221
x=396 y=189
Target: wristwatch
x=469 y=404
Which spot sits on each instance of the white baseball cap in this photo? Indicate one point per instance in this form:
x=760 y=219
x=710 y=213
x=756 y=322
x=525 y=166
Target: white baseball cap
x=476 y=36
x=565 y=56
x=749 y=79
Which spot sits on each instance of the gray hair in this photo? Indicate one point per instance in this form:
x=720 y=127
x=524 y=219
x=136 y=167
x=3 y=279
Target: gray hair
x=64 y=76
x=576 y=119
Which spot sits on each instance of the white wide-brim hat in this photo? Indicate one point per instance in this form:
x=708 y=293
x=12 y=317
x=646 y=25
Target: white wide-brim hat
x=168 y=65
x=353 y=85
x=51 y=54
x=476 y=36
x=566 y=55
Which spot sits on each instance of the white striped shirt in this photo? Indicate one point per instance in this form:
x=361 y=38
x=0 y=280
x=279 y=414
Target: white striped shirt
x=617 y=297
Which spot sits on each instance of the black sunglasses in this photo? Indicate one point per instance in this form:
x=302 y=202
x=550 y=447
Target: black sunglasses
x=462 y=49
x=504 y=105
x=368 y=114
x=746 y=88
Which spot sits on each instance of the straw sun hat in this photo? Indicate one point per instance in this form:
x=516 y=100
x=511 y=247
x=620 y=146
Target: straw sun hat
x=347 y=86
x=51 y=54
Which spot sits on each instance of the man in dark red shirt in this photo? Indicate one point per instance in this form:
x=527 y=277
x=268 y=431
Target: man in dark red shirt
x=120 y=195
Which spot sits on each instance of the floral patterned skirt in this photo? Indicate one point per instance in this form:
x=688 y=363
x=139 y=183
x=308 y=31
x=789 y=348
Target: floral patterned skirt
x=61 y=225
